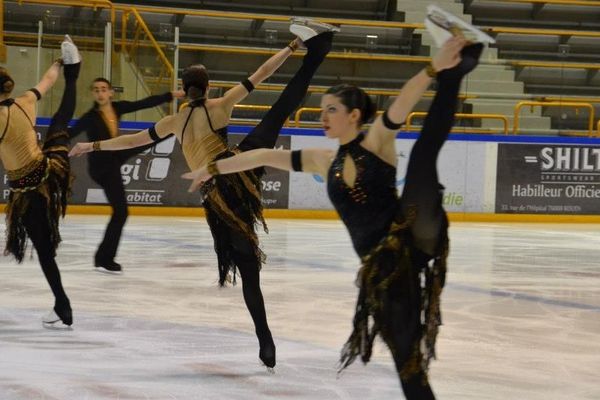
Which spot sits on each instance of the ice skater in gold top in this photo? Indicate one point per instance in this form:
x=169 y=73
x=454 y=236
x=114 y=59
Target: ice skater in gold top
x=233 y=203
x=39 y=177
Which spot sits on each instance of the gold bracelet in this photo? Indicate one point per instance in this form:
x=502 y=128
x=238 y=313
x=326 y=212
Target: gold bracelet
x=96 y=145
x=212 y=168
x=293 y=45
x=430 y=71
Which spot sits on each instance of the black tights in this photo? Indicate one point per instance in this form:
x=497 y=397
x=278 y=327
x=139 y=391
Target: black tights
x=249 y=266
x=36 y=217
x=265 y=134
x=422 y=187
x=38 y=229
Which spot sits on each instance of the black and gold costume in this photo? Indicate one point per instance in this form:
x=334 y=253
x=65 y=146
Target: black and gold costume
x=402 y=242
x=233 y=203
x=39 y=186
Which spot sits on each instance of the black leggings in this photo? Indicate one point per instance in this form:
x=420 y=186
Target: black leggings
x=38 y=229
x=264 y=135
x=422 y=187
x=35 y=218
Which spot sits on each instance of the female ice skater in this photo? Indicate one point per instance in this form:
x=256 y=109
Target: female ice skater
x=233 y=203
x=39 y=177
x=402 y=241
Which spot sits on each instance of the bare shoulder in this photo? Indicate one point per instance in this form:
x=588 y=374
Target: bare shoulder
x=218 y=112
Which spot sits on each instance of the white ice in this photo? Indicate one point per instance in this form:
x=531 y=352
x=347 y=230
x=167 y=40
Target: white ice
x=521 y=313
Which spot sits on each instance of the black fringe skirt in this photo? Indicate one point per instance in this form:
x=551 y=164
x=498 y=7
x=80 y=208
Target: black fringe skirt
x=399 y=300
x=49 y=177
x=233 y=205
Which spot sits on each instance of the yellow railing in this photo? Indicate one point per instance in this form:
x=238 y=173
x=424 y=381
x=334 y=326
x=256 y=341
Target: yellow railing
x=2 y=45
x=126 y=10
x=411 y=116
x=532 y=104
x=590 y=3
x=303 y=110
x=500 y=117
x=252 y=107
x=166 y=71
x=542 y=32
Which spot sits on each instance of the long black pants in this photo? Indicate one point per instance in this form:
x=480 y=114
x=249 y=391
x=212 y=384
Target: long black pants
x=111 y=181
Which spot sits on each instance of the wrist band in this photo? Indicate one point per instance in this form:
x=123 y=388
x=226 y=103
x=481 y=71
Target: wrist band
x=297 y=160
x=293 y=45
x=212 y=168
x=430 y=71
x=388 y=123
x=96 y=145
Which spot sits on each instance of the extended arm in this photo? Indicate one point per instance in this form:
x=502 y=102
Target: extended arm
x=312 y=161
x=162 y=129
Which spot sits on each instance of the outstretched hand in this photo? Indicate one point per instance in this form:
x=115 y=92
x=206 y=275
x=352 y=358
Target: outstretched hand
x=449 y=54
x=81 y=148
x=198 y=177
x=178 y=94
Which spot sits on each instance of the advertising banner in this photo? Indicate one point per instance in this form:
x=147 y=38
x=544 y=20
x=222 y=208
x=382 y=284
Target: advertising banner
x=463 y=170
x=152 y=178
x=548 y=179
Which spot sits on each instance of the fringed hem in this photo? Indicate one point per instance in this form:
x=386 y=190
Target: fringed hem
x=53 y=185
x=233 y=206
x=394 y=304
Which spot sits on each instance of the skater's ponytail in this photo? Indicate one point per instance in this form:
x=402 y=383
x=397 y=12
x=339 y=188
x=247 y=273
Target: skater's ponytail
x=6 y=82
x=195 y=81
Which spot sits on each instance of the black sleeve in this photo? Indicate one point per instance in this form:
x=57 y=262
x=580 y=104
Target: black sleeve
x=297 y=160
x=37 y=93
x=124 y=107
x=248 y=85
x=81 y=125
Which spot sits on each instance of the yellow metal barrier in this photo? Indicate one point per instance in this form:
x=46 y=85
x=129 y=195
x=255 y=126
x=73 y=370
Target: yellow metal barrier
x=161 y=55
x=500 y=117
x=544 y=32
x=2 y=45
x=590 y=3
x=253 y=107
x=575 y=105
x=301 y=111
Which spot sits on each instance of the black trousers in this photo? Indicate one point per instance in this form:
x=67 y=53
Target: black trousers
x=109 y=178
